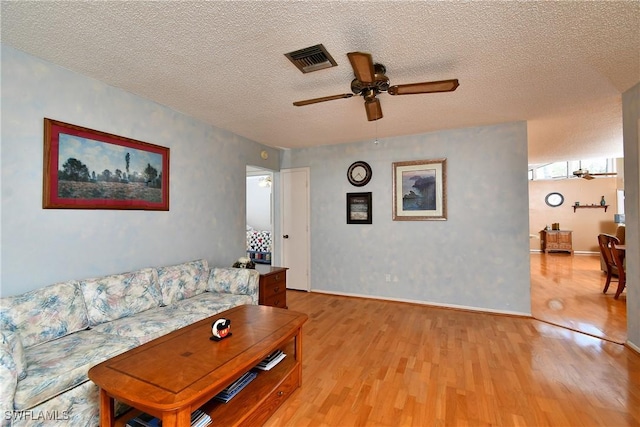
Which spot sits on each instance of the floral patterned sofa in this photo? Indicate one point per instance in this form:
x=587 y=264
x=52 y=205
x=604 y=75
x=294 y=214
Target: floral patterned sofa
x=50 y=337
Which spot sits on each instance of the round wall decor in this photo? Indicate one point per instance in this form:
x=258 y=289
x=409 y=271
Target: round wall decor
x=554 y=199
x=359 y=173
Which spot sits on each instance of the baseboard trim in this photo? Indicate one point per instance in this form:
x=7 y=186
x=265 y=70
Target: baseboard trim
x=632 y=347
x=590 y=253
x=428 y=303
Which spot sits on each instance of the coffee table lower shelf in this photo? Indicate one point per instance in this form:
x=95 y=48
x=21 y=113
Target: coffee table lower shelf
x=260 y=399
x=255 y=403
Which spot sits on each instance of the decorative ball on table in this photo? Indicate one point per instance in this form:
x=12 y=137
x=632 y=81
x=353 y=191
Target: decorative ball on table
x=244 y=262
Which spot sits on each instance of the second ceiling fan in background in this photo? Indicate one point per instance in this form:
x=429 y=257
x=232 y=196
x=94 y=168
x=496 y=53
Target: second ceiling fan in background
x=370 y=80
x=583 y=173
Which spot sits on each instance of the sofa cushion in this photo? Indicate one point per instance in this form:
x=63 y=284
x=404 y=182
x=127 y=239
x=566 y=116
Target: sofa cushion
x=120 y=295
x=182 y=281
x=57 y=366
x=149 y=325
x=44 y=314
x=210 y=303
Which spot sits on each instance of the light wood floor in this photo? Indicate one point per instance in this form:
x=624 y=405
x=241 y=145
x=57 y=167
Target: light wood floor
x=566 y=290
x=382 y=363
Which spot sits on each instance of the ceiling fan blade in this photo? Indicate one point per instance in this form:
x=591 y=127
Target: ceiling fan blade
x=362 y=65
x=590 y=176
x=583 y=173
x=323 y=99
x=425 y=87
x=374 y=111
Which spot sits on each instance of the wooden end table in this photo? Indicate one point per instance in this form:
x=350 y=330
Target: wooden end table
x=272 y=286
x=172 y=376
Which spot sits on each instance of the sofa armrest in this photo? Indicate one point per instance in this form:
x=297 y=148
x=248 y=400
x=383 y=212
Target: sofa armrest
x=8 y=380
x=239 y=281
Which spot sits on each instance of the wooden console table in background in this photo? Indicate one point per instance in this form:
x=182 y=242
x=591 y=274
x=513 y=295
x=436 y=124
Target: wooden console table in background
x=557 y=241
x=273 y=286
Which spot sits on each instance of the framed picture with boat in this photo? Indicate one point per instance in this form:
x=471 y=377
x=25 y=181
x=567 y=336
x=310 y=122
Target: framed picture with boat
x=89 y=169
x=420 y=190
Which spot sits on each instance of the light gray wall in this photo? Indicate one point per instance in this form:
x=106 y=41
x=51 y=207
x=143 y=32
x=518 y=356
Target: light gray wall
x=478 y=258
x=207 y=183
x=631 y=132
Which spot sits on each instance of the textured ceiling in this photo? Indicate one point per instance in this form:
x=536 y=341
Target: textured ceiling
x=562 y=66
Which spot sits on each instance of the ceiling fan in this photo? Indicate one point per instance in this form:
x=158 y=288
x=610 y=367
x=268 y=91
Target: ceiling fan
x=370 y=80
x=583 y=173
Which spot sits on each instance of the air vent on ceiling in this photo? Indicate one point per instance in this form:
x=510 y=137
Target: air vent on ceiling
x=312 y=58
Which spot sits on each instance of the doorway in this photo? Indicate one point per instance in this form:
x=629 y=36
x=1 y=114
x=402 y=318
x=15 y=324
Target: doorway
x=566 y=288
x=259 y=215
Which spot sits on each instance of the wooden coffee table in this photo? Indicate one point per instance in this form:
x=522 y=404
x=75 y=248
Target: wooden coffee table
x=172 y=376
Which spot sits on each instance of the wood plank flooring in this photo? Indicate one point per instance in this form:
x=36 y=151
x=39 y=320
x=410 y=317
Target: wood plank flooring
x=566 y=290
x=383 y=363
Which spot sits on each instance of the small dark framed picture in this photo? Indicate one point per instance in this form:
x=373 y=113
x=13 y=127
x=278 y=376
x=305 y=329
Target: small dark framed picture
x=359 y=208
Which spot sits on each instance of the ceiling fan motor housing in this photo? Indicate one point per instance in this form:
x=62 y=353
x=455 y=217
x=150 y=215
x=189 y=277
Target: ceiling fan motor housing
x=380 y=83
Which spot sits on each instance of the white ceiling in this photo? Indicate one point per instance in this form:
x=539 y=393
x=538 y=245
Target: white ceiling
x=562 y=66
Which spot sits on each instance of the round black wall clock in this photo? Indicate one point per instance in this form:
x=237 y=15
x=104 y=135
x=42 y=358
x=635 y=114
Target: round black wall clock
x=359 y=173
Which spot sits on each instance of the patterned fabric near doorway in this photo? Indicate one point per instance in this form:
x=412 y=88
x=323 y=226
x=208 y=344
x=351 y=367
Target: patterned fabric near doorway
x=259 y=245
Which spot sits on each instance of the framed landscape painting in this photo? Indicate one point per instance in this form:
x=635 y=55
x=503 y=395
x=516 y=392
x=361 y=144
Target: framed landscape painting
x=89 y=169
x=359 y=208
x=420 y=190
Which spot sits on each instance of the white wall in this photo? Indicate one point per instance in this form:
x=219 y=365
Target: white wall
x=207 y=183
x=478 y=258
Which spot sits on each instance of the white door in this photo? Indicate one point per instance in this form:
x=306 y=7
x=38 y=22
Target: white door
x=295 y=227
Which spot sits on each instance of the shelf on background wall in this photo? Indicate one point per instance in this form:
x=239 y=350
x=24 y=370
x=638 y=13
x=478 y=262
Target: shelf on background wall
x=590 y=207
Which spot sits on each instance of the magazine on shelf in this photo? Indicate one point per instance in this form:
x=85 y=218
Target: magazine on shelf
x=271 y=360
x=198 y=419
x=234 y=388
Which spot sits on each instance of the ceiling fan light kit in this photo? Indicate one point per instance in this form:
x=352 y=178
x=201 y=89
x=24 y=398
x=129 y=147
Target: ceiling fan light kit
x=371 y=80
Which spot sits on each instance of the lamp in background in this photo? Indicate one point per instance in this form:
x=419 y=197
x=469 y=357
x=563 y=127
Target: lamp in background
x=265 y=181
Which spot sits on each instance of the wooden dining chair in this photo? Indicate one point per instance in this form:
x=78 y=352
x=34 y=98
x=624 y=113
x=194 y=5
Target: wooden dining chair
x=604 y=242
x=618 y=260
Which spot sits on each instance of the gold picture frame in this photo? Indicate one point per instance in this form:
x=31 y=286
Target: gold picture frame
x=420 y=190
